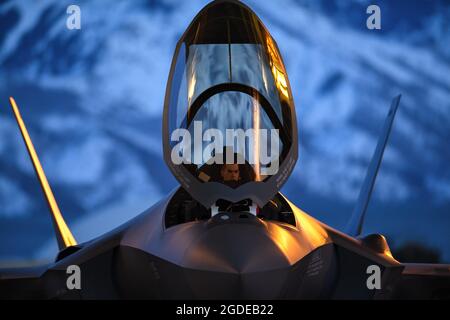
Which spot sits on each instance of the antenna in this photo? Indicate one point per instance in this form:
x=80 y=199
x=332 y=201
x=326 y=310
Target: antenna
x=355 y=224
x=63 y=235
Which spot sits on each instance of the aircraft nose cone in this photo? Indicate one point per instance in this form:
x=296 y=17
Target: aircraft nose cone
x=236 y=259
x=235 y=244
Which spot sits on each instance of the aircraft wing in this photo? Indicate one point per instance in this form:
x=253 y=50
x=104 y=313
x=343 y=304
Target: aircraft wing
x=423 y=281
x=96 y=260
x=21 y=283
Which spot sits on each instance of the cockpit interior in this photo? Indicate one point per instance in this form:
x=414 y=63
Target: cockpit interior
x=182 y=208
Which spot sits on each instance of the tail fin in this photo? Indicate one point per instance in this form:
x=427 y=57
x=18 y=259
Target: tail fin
x=355 y=224
x=63 y=235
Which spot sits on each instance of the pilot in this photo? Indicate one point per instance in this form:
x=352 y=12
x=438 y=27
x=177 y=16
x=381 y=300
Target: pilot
x=230 y=174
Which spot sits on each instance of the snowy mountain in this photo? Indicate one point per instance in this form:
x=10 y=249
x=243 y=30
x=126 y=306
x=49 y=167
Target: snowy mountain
x=92 y=100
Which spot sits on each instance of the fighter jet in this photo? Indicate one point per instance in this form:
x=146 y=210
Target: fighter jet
x=230 y=139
